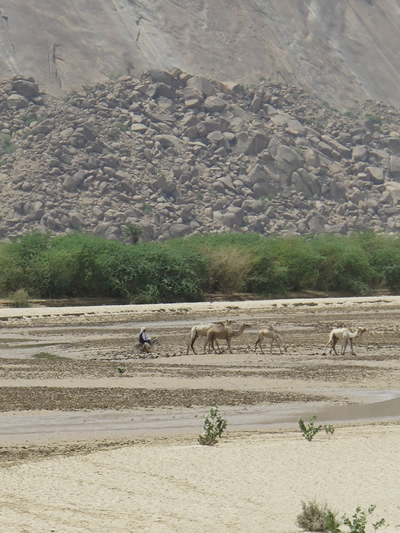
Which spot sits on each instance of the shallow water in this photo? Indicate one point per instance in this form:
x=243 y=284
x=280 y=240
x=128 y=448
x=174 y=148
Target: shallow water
x=60 y=426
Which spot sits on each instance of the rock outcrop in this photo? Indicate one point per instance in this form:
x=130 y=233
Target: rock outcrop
x=182 y=155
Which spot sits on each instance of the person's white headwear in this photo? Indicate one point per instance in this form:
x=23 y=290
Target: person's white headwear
x=143 y=329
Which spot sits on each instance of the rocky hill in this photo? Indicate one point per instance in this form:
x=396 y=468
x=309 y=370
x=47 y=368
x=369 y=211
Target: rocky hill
x=179 y=154
x=340 y=50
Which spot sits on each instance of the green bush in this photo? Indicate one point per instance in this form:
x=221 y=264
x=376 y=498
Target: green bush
x=316 y=517
x=214 y=426
x=20 y=298
x=184 y=269
x=358 y=522
x=344 y=265
x=310 y=430
x=7 y=145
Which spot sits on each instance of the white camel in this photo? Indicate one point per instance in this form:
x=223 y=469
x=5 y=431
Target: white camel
x=200 y=330
x=270 y=333
x=362 y=330
x=222 y=332
x=345 y=336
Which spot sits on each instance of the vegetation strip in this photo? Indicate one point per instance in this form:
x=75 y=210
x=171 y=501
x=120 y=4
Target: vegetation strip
x=185 y=270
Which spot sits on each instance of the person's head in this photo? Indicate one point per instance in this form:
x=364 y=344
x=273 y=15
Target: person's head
x=143 y=330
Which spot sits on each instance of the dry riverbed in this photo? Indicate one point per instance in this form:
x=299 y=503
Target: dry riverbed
x=73 y=387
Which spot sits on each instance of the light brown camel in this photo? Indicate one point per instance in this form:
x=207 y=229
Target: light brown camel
x=200 y=330
x=222 y=332
x=270 y=333
x=344 y=335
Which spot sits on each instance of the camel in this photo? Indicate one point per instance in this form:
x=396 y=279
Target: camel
x=201 y=331
x=222 y=332
x=270 y=333
x=362 y=330
x=344 y=335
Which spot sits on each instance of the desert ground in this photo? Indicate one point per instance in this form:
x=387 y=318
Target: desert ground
x=97 y=437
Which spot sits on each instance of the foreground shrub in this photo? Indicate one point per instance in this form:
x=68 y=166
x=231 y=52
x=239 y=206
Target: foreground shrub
x=20 y=298
x=310 y=430
x=316 y=517
x=214 y=426
x=358 y=522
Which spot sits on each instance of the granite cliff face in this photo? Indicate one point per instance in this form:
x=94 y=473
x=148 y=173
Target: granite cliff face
x=191 y=116
x=341 y=50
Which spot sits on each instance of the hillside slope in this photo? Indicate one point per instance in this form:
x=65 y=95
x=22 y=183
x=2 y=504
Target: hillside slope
x=181 y=155
x=342 y=50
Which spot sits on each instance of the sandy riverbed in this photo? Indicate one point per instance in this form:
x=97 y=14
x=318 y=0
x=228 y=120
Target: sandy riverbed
x=144 y=474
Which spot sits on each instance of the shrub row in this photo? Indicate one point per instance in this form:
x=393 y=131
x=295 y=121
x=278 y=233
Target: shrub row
x=185 y=269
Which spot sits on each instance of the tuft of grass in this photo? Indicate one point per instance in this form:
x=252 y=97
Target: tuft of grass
x=375 y=119
x=120 y=126
x=316 y=517
x=6 y=144
x=20 y=298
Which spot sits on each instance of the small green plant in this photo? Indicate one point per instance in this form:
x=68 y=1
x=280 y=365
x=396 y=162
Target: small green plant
x=6 y=144
x=132 y=233
x=147 y=209
x=375 y=119
x=310 y=430
x=120 y=126
x=20 y=298
x=121 y=370
x=299 y=151
x=358 y=522
x=214 y=426
x=316 y=517
x=27 y=120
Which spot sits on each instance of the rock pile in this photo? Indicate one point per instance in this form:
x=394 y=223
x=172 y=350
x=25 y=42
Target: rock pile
x=180 y=155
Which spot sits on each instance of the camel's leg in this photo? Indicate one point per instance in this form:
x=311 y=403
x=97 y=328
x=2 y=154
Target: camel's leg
x=215 y=342
x=334 y=342
x=210 y=344
x=259 y=343
x=351 y=347
x=192 y=341
x=344 y=346
x=329 y=343
x=228 y=342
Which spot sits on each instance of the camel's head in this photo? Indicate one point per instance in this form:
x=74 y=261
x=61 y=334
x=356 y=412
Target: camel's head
x=361 y=330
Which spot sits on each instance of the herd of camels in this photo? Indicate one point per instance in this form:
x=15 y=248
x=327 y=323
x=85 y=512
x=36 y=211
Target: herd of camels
x=224 y=331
